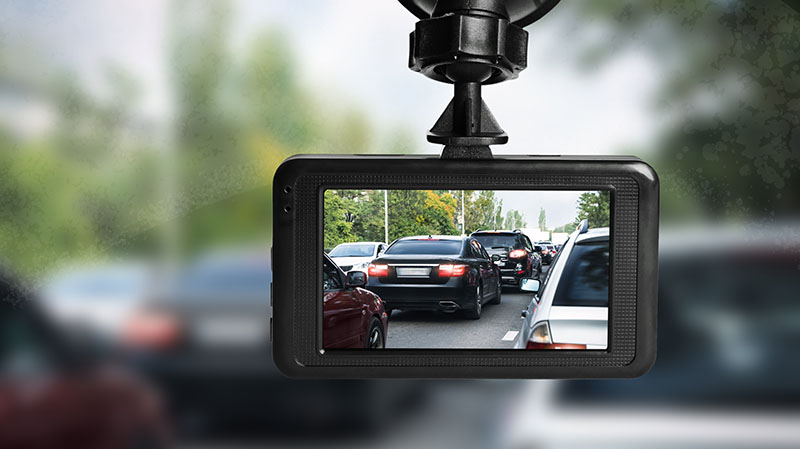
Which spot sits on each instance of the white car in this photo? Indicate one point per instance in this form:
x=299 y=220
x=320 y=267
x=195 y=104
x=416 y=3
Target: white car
x=570 y=310
x=101 y=297
x=356 y=256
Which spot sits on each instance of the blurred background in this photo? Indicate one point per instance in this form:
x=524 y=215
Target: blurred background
x=138 y=142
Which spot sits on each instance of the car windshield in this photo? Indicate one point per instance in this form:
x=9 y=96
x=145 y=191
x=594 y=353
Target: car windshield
x=584 y=281
x=428 y=247
x=497 y=240
x=353 y=250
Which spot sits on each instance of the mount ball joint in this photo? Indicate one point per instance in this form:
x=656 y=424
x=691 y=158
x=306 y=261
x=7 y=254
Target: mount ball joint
x=469 y=43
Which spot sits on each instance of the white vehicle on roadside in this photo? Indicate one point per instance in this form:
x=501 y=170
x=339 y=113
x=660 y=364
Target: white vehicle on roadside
x=570 y=309
x=356 y=256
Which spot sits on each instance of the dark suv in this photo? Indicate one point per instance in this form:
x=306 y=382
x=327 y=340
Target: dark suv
x=519 y=258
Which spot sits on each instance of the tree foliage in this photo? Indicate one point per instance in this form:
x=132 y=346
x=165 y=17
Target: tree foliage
x=596 y=208
x=731 y=96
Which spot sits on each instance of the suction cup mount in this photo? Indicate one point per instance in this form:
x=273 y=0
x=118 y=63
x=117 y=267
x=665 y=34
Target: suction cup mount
x=469 y=43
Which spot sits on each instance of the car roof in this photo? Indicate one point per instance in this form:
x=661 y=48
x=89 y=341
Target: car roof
x=432 y=237
x=496 y=232
x=593 y=235
x=360 y=243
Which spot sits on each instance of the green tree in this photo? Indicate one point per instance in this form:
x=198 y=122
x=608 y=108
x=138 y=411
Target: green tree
x=337 y=220
x=542 y=220
x=730 y=91
x=568 y=227
x=595 y=207
x=369 y=223
x=515 y=220
x=483 y=211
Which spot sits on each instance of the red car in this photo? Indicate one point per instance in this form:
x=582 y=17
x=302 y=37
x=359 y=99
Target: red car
x=54 y=395
x=353 y=317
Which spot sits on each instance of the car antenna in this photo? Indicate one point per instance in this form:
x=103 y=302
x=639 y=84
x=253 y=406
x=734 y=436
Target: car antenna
x=470 y=43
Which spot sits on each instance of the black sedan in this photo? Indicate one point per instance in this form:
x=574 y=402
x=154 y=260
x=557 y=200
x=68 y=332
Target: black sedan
x=444 y=273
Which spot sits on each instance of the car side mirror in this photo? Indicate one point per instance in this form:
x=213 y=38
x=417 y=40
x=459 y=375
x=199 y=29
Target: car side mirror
x=529 y=285
x=495 y=257
x=356 y=279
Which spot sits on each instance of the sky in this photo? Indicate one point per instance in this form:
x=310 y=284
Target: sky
x=355 y=53
x=559 y=206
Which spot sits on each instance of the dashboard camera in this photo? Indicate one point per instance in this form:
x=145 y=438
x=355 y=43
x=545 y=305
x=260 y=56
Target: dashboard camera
x=465 y=265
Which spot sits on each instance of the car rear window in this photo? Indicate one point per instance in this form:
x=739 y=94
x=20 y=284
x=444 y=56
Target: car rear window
x=429 y=247
x=584 y=281
x=498 y=240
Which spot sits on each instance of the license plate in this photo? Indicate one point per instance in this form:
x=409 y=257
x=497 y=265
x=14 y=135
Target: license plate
x=413 y=272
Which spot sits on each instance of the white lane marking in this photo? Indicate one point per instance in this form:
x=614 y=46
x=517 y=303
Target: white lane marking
x=510 y=335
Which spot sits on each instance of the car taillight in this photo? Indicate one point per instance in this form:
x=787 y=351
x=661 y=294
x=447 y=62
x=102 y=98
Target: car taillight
x=517 y=253
x=450 y=270
x=544 y=251
x=152 y=330
x=378 y=270
x=541 y=338
x=553 y=252
x=541 y=333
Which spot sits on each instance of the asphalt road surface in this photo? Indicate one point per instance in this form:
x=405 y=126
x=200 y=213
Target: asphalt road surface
x=497 y=328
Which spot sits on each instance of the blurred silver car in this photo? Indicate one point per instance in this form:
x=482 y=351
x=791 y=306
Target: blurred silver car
x=100 y=298
x=570 y=310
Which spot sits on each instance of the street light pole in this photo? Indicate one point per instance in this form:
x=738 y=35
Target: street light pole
x=463 y=206
x=385 y=216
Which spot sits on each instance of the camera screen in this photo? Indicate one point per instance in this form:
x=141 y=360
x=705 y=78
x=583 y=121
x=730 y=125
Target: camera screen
x=466 y=269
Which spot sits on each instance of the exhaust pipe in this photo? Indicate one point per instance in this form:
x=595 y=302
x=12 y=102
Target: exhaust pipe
x=448 y=306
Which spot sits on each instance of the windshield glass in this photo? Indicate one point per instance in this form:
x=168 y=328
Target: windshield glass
x=427 y=247
x=353 y=250
x=497 y=240
x=584 y=281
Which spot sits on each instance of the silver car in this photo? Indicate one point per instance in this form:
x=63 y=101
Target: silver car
x=570 y=310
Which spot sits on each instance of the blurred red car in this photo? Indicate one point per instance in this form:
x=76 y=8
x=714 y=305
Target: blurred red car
x=353 y=317
x=55 y=395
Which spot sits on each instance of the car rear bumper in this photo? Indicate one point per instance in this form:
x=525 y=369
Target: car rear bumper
x=510 y=277
x=445 y=297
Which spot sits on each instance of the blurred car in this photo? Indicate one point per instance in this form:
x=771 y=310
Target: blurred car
x=444 y=273
x=518 y=257
x=570 y=310
x=726 y=373
x=206 y=344
x=352 y=316
x=102 y=297
x=356 y=256
x=57 y=392
x=548 y=251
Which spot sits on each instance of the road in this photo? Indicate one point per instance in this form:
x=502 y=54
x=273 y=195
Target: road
x=497 y=328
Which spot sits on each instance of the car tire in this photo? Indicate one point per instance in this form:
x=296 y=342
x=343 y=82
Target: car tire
x=376 y=338
x=499 y=295
x=475 y=314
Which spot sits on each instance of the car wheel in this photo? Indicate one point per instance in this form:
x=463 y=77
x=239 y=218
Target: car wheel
x=498 y=296
x=475 y=314
x=375 y=337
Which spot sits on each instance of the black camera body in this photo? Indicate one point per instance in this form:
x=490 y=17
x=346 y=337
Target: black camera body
x=298 y=253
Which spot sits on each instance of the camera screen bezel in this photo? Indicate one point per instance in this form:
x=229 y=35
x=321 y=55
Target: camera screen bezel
x=298 y=211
